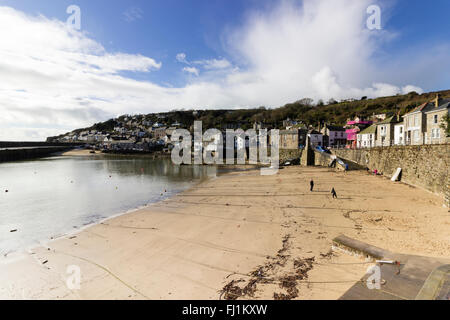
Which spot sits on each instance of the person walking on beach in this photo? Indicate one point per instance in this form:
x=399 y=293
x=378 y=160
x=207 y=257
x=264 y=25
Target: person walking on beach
x=312 y=185
x=333 y=192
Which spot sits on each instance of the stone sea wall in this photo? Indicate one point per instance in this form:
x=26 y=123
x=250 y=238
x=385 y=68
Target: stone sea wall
x=287 y=154
x=425 y=166
x=14 y=144
x=29 y=153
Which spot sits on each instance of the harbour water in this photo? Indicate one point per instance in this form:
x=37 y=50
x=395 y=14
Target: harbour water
x=44 y=199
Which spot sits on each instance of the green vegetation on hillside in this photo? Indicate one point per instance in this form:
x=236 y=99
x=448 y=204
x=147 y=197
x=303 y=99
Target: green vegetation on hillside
x=304 y=110
x=332 y=113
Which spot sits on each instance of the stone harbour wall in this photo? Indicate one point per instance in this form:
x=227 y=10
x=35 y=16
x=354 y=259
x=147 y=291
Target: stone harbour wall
x=425 y=166
x=288 y=154
x=29 y=153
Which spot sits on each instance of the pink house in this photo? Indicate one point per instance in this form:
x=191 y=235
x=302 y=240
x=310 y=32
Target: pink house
x=353 y=128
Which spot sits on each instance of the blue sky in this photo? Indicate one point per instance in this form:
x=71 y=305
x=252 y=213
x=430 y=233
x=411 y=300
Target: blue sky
x=237 y=54
x=164 y=28
x=168 y=27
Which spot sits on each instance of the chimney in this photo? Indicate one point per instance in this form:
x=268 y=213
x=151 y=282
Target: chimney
x=436 y=101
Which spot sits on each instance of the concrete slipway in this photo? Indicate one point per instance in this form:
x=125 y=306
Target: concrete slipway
x=409 y=278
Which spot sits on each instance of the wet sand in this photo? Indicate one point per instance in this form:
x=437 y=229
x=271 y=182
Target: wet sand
x=241 y=235
x=80 y=152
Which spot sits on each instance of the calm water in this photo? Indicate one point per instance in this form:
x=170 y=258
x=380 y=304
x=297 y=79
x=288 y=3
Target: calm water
x=54 y=196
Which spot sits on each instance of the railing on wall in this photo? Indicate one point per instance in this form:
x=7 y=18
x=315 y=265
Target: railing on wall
x=393 y=143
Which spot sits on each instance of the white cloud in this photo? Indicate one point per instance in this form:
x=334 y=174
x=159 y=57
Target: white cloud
x=409 y=88
x=56 y=79
x=133 y=14
x=214 y=64
x=191 y=70
x=207 y=64
x=181 y=57
x=326 y=84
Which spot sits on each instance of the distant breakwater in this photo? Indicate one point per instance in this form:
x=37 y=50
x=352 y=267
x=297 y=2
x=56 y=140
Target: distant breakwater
x=27 y=144
x=16 y=151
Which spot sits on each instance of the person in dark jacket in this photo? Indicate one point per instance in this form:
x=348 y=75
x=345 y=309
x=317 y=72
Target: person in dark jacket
x=312 y=185
x=334 y=194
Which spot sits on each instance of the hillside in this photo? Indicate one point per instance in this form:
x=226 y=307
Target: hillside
x=304 y=110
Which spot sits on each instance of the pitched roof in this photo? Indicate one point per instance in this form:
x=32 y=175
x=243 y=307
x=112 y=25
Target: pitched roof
x=443 y=104
x=370 y=130
x=431 y=106
x=419 y=108
x=392 y=119
x=335 y=128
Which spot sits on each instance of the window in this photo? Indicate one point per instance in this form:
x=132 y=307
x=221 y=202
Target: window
x=401 y=130
x=435 y=133
x=416 y=121
x=435 y=120
x=416 y=135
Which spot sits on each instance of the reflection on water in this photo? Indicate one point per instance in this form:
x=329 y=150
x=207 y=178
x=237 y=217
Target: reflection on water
x=50 y=197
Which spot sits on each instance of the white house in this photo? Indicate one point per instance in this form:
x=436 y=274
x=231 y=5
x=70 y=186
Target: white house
x=399 y=134
x=120 y=130
x=367 y=138
x=158 y=125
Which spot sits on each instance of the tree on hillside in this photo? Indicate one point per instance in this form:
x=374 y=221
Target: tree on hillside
x=105 y=126
x=306 y=102
x=332 y=101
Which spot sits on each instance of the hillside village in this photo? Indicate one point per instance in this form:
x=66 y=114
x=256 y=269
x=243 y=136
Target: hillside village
x=426 y=123
x=423 y=125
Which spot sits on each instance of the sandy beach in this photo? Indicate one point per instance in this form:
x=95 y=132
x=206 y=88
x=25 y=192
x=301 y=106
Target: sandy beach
x=241 y=235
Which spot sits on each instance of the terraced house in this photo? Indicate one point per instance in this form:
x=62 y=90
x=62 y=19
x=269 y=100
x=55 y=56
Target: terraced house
x=385 y=131
x=334 y=136
x=423 y=124
x=399 y=134
x=367 y=137
x=435 y=113
x=415 y=125
x=292 y=139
